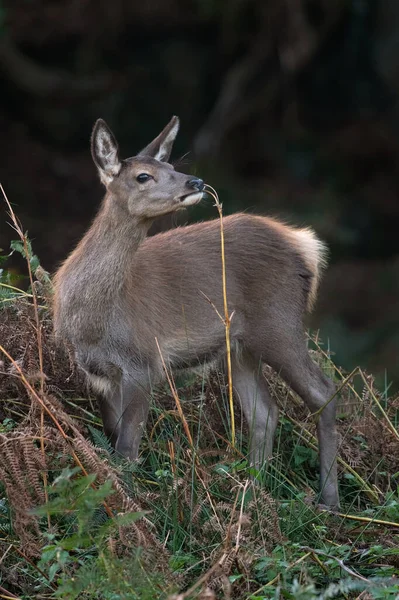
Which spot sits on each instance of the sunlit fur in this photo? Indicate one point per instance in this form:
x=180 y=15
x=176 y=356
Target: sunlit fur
x=314 y=253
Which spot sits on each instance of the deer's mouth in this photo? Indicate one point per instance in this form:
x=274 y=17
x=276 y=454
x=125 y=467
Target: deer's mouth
x=191 y=199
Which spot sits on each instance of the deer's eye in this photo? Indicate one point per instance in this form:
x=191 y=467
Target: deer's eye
x=143 y=177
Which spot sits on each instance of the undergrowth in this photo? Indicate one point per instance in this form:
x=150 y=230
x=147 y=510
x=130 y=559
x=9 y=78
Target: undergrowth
x=185 y=520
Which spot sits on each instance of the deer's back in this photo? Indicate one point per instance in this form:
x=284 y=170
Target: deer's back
x=184 y=264
x=175 y=284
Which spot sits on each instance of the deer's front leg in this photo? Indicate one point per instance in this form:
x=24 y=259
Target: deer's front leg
x=134 y=398
x=111 y=415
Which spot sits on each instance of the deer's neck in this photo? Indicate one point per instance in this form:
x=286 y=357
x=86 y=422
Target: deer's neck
x=107 y=250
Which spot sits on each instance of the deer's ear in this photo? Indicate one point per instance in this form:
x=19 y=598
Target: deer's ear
x=104 y=150
x=161 y=147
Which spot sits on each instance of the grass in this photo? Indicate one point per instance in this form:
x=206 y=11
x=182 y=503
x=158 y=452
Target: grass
x=185 y=520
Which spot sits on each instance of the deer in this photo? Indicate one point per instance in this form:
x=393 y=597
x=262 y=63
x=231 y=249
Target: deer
x=129 y=304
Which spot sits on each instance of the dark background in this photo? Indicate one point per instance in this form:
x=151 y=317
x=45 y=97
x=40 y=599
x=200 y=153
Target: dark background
x=289 y=107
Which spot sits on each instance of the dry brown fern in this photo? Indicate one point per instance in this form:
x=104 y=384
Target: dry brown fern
x=265 y=520
x=21 y=466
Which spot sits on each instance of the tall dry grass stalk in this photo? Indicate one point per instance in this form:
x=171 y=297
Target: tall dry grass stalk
x=227 y=317
x=24 y=239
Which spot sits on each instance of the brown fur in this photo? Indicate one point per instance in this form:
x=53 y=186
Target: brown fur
x=119 y=294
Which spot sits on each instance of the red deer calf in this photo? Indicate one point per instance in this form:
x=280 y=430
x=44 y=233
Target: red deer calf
x=119 y=292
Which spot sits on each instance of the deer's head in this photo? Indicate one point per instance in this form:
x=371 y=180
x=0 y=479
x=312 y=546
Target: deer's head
x=146 y=185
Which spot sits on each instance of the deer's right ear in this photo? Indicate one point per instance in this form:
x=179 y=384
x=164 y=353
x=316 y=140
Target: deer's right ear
x=161 y=147
x=104 y=150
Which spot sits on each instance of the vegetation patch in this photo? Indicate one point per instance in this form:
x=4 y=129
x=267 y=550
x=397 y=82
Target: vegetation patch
x=185 y=520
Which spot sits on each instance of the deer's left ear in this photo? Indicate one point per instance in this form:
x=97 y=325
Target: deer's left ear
x=161 y=147
x=104 y=150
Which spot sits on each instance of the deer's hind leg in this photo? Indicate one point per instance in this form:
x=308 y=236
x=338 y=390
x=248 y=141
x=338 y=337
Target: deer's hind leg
x=291 y=359
x=317 y=391
x=260 y=411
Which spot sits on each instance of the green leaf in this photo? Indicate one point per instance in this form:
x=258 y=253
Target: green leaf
x=17 y=246
x=233 y=578
x=53 y=570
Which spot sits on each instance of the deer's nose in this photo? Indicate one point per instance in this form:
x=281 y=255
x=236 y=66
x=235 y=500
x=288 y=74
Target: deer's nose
x=195 y=184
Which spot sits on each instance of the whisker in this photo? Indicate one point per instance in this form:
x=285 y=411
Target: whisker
x=182 y=160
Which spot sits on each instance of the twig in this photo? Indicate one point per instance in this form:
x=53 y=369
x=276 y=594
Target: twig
x=5 y=553
x=213 y=305
x=338 y=560
x=240 y=517
x=320 y=563
x=368 y=520
x=227 y=539
x=6 y=594
x=16 y=289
